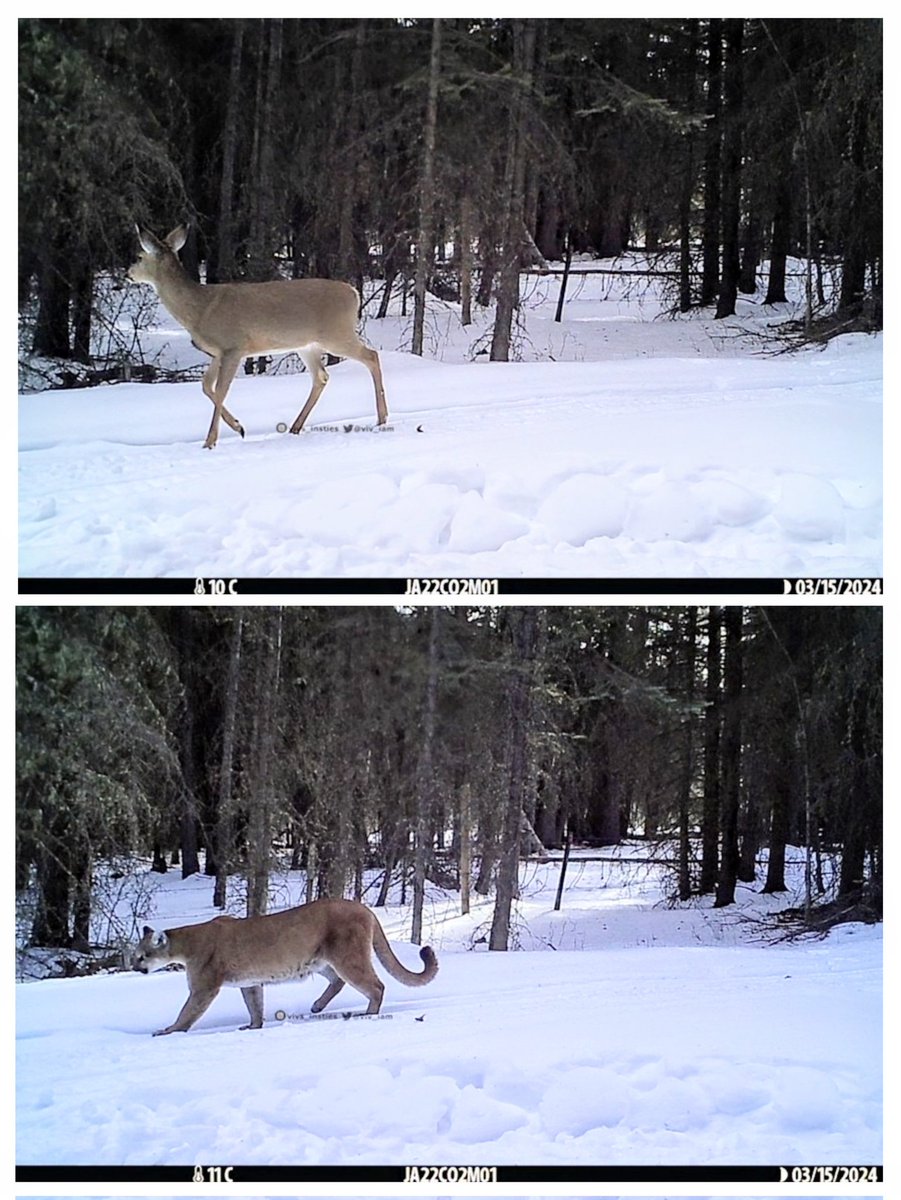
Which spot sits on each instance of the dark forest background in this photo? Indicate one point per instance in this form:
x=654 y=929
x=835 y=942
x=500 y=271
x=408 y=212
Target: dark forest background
x=449 y=154
x=442 y=744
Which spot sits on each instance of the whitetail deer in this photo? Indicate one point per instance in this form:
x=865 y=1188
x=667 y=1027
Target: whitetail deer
x=230 y=321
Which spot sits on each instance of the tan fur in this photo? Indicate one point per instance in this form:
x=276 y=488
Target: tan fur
x=334 y=938
x=230 y=321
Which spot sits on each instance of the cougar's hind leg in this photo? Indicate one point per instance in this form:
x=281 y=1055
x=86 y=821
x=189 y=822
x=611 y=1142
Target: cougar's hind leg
x=335 y=984
x=365 y=980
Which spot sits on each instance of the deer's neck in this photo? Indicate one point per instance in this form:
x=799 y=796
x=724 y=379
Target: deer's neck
x=182 y=296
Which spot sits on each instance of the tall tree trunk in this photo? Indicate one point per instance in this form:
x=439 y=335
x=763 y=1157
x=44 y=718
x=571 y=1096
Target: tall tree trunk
x=781 y=239
x=685 y=231
x=731 y=757
x=425 y=241
x=312 y=860
x=190 y=852
x=465 y=846
x=733 y=93
x=223 y=835
x=855 y=834
x=28 y=266
x=260 y=798
x=685 y=785
x=385 y=886
x=689 y=181
x=422 y=832
x=225 y=257
x=189 y=818
x=488 y=261
x=514 y=189
x=789 y=749
x=263 y=214
x=750 y=256
x=778 y=839
x=550 y=229
x=564 y=282
x=854 y=256
x=803 y=150
x=348 y=267
x=53 y=878
x=710 y=269
x=710 y=814
x=387 y=288
x=82 y=309
x=193 y=765
x=466 y=225
x=487 y=862
x=51 y=331
x=524 y=627
x=749 y=843
x=81 y=898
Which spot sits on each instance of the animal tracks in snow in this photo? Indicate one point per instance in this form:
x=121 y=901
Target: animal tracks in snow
x=668 y=467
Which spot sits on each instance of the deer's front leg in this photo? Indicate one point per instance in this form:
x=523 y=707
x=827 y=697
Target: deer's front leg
x=216 y=381
x=208 y=383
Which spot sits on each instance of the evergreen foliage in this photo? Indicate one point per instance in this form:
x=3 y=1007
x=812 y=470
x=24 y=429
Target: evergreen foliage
x=336 y=740
x=344 y=147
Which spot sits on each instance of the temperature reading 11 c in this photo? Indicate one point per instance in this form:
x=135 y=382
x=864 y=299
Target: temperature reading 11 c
x=213 y=1175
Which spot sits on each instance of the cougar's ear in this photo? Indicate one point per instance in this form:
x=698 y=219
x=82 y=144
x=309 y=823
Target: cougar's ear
x=160 y=940
x=147 y=931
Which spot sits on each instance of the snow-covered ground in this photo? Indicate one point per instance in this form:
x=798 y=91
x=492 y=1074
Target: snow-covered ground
x=625 y=1030
x=625 y=442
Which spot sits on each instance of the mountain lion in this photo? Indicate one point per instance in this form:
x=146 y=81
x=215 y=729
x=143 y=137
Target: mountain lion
x=334 y=938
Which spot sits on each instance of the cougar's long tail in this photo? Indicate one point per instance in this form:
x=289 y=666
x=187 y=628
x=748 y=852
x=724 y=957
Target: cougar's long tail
x=395 y=967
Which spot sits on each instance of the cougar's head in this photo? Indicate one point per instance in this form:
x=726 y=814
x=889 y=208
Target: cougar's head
x=151 y=952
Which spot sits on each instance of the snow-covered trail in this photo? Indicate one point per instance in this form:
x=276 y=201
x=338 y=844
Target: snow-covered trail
x=652 y=467
x=670 y=1055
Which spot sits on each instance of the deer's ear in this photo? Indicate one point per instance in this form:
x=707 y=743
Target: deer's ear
x=150 y=243
x=177 y=238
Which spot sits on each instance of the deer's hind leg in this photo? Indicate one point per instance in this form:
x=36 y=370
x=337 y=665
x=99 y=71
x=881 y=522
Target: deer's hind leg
x=371 y=361
x=312 y=360
x=350 y=346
